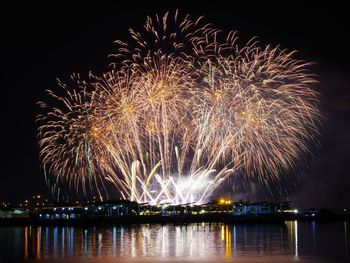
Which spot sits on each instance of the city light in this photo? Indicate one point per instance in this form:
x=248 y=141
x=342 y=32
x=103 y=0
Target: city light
x=223 y=201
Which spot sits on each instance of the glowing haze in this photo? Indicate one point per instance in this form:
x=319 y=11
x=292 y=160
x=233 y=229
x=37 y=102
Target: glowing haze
x=183 y=107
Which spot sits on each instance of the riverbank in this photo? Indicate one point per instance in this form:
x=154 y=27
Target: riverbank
x=159 y=219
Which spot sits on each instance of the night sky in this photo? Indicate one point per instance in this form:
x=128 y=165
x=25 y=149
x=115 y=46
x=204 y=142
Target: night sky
x=42 y=42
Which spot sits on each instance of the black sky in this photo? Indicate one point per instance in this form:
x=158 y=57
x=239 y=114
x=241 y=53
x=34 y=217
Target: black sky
x=44 y=41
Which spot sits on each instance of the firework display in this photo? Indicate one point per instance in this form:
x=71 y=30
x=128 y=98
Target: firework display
x=182 y=108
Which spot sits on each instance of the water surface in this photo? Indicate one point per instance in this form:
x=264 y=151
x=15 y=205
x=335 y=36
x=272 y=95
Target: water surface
x=289 y=242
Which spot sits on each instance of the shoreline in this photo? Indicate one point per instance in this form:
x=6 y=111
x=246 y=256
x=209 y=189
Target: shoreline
x=159 y=219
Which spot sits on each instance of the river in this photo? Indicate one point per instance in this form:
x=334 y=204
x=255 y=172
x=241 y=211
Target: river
x=291 y=241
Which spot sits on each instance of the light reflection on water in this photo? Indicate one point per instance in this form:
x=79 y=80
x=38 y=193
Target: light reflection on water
x=293 y=240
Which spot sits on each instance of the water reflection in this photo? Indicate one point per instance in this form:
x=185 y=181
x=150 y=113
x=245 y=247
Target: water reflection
x=346 y=244
x=197 y=240
x=187 y=241
x=292 y=227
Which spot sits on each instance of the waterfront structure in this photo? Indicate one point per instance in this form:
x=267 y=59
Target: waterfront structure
x=15 y=212
x=124 y=208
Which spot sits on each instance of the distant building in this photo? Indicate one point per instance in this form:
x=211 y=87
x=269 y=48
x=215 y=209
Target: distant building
x=73 y=211
x=259 y=208
x=313 y=213
x=14 y=213
x=252 y=209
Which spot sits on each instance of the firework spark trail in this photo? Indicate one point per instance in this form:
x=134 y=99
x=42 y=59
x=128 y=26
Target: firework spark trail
x=182 y=108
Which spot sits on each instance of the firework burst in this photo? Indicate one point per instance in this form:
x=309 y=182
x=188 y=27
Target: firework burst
x=182 y=108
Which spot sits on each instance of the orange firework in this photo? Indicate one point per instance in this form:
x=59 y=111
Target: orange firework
x=182 y=108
